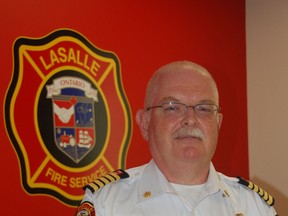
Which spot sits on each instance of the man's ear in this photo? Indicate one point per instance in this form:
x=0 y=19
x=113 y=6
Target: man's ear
x=143 y=122
x=219 y=119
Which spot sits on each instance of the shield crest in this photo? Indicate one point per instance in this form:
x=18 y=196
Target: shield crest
x=77 y=121
x=73 y=117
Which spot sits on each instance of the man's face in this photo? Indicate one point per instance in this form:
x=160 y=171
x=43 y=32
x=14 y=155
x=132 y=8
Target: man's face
x=167 y=145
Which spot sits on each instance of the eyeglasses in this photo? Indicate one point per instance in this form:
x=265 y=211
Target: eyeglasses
x=178 y=109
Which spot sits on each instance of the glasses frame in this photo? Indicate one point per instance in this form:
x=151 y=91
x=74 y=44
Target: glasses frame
x=216 y=110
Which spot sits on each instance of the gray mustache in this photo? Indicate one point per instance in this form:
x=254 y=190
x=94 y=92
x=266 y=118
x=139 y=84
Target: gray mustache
x=184 y=132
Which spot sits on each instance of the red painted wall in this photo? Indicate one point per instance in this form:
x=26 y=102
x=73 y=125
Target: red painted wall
x=144 y=36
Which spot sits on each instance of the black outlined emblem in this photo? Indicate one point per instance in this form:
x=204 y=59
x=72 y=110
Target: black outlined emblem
x=66 y=114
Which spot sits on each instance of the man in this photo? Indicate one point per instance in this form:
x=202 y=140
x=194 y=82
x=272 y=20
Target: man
x=181 y=121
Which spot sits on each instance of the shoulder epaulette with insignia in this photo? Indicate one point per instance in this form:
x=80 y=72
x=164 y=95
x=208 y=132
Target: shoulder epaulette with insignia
x=263 y=194
x=106 y=179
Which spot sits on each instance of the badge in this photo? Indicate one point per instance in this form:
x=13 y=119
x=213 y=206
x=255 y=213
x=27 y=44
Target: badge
x=66 y=114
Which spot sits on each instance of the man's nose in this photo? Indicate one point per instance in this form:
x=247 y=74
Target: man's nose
x=189 y=116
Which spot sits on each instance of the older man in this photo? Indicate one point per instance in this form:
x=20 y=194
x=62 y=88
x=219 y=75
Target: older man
x=181 y=121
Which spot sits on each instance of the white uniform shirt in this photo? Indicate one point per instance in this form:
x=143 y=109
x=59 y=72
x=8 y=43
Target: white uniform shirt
x=148 y=193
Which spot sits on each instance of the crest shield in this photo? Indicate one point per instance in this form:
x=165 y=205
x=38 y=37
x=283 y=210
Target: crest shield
x=76 y=122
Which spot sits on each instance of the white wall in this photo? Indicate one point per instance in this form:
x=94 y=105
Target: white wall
x=267 y=79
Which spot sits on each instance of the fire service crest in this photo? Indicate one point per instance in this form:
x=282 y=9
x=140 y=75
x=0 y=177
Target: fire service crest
x=66 y=114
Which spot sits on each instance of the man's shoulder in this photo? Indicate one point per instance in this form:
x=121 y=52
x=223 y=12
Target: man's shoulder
x=242 y=184
x=117 y=176
x=107 y=179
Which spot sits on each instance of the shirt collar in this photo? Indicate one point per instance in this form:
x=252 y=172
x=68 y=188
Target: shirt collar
x=153 y=183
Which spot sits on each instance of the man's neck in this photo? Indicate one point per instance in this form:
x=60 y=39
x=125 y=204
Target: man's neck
x=186 y=174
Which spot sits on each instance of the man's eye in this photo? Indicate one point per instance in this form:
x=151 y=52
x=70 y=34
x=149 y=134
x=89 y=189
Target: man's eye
x=205 y=108
x=171 y=108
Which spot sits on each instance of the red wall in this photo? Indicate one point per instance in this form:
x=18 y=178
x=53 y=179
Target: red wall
x=144 y=36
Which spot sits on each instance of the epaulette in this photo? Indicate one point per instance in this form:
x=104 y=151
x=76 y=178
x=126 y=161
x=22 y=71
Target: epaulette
x=263 y=194
x=106 y=179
